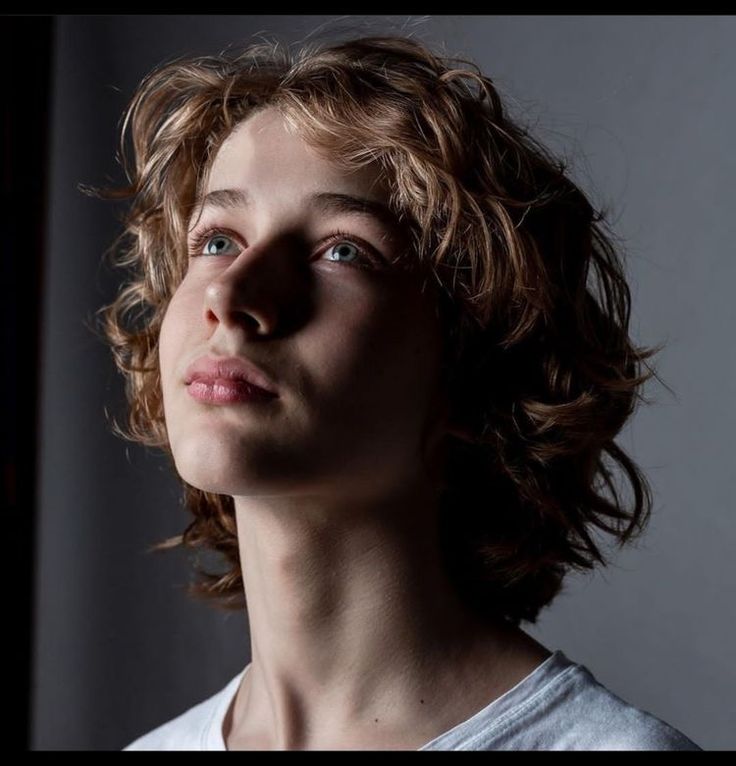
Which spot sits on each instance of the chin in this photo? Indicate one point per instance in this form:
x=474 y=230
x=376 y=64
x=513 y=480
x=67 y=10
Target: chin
x=206 y=466
x=220 y=483
x=226 y=469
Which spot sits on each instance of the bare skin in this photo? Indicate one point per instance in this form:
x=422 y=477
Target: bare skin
x=358 y=639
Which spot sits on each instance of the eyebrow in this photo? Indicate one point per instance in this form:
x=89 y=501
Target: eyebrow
x=324 y=202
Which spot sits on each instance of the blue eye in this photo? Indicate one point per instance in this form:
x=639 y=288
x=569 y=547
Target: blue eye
x=341 y=248
x=344 y=250
x=216 y=244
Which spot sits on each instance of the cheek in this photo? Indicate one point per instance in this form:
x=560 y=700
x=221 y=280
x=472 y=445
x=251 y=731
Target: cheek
x=176 y=327
x=350 y=340
x=378 y=350
x=166 y=344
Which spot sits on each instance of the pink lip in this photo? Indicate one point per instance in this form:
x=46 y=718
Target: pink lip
x=222 y=391
x=221 y=380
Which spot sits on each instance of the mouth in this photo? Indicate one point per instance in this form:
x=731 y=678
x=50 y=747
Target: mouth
x=229 y=374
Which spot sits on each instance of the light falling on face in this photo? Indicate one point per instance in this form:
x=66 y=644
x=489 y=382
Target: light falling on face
x=352 y=344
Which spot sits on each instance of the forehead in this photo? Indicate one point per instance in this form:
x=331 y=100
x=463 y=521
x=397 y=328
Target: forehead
x=265 y=163
x=265 y=148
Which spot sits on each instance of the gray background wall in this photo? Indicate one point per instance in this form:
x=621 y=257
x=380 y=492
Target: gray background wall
x=644 y=108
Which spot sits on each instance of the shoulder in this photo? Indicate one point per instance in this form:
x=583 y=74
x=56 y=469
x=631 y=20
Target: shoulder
x=185 y=732
x=582 y=714
x=562 y=706
x=192 y=729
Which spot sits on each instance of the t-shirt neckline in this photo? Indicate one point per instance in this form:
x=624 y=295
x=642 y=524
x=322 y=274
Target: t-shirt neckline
x=529 y=686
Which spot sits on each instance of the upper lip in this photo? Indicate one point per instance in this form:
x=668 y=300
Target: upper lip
x=228 y=368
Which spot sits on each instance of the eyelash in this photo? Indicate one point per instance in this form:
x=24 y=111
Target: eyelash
x=199 y=239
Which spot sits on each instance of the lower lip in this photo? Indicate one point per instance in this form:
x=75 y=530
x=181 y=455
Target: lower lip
x=223 y=391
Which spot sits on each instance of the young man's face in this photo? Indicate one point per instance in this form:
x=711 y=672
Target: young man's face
x=351 y=343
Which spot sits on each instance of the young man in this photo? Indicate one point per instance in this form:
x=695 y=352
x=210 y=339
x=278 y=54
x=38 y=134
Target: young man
x=370 y=352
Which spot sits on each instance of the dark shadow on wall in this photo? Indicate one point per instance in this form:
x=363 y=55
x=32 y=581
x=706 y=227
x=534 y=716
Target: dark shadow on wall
x=25 y=146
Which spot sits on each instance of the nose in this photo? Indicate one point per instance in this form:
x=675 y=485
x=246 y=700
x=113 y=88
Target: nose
x=250 y=291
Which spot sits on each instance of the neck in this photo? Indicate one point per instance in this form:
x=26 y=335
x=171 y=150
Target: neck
x=354 y=626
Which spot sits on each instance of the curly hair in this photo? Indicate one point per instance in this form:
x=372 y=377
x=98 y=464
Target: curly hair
x=530 y=287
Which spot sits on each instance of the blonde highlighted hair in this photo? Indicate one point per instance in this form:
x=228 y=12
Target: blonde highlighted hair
x=530 y=286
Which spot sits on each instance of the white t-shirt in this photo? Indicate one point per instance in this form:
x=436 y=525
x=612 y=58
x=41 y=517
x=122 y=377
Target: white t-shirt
x=558 y=706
